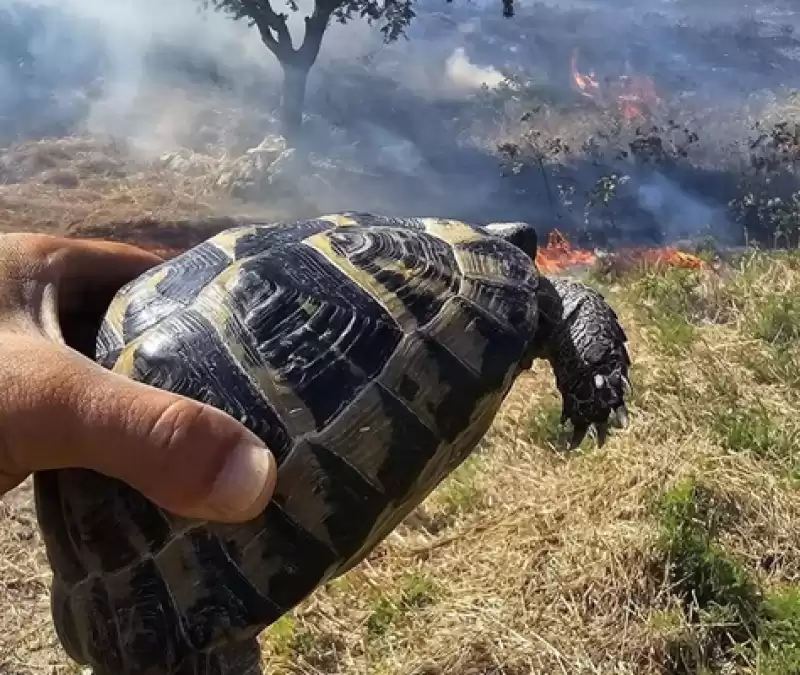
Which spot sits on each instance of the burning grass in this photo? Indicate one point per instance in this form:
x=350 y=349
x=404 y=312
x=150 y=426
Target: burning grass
x=635 y=159
x=558 y=255
x=672 y=550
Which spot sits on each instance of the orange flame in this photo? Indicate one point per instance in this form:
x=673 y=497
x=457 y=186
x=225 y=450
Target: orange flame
x=587 y=83
x=632 y=95
x=638 y=94
x=560 y=255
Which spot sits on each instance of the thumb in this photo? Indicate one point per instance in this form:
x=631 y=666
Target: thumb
x=60 y=409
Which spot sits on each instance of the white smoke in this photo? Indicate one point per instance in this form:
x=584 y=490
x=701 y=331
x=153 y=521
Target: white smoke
x=170 y=69
x=466 y=75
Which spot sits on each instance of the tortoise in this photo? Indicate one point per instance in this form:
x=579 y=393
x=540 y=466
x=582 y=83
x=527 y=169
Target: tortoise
x=371 y=355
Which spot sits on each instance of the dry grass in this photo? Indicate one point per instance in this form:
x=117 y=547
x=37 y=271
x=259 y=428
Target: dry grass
x=91 y=187
x=95 y=187
x=64 y=185
x=530 y=560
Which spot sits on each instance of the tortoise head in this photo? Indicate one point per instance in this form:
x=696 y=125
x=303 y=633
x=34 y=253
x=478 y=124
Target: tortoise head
x=521 y=234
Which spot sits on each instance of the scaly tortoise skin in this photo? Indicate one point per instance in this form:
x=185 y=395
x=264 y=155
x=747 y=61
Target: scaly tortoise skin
x=371 y=355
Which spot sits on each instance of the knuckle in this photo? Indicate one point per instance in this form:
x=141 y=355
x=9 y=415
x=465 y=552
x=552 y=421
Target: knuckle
x=184 y=438
x=174 y=423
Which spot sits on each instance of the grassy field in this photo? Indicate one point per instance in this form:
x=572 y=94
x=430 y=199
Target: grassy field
x=673 y=549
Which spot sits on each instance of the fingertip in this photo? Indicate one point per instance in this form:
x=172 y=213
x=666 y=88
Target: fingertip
x=212 y=466
x=244 y=485
x=189 y=458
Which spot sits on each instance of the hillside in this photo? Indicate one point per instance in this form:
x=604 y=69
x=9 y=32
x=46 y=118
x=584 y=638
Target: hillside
x=670 y=550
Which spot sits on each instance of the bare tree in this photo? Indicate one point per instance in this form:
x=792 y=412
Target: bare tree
x=297 y=61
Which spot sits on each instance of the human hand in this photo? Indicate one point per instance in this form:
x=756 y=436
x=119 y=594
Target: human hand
x=59 y=409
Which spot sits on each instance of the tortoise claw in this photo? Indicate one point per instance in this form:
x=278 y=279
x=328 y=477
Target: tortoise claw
x=579 y=431
x=627 y=387
x=600 y=401
x=621 y=416
x=602 y=433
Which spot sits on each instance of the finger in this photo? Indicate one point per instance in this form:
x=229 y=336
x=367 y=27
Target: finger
x=8 y=482
x=111 y=263
x=62 y=410
x=89 y=273
x=86 y=274
x=47 y=257
x=78 y=278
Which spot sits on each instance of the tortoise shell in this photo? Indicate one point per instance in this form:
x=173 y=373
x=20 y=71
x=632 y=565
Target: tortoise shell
x=370 y=354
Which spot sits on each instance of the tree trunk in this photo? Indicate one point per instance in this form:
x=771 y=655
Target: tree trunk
x=293 y=101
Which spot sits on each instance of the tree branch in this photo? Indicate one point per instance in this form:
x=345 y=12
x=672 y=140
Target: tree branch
x=269 y=22
x=315 y=29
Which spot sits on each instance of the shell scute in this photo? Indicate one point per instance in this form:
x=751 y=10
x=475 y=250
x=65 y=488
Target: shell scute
x=476 y=339
x=383 y=439
x=298 y=271
x=407 y=270
x=508 y=309
x=63 y=551
x=254 y=240
x=454 y=232
x=316 y=334
x=281 y=557
x=187 y=275
x=206 y=582
x=165 y=289
x=138 y=611
x=106 y=533
x=493 y=260
x=64 y=619
x=95 y=625
x=328 y=498
x=221 y=371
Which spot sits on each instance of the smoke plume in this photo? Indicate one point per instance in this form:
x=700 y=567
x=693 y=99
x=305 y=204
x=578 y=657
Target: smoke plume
x=414 y=127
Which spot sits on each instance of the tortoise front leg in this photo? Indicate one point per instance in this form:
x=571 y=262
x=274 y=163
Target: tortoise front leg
x=233 y=658
x=581 y=337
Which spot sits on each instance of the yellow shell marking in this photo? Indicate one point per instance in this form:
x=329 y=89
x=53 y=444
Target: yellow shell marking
x=310 y=306
x=212 y=299
x=393 y=304
x=340 y=220
x=125 y=361
x=115 y=315
x=226 y=241
x=151 y=283
x=453 y=232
